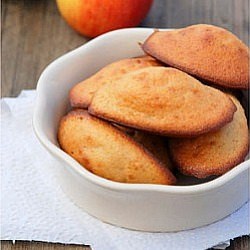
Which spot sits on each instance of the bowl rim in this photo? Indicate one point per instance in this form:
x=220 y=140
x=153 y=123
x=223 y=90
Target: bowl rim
x=100 y=181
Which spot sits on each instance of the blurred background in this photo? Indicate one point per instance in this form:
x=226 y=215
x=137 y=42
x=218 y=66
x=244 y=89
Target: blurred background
x=34 y=34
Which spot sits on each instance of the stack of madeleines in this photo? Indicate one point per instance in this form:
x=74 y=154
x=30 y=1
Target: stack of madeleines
x=139 y=120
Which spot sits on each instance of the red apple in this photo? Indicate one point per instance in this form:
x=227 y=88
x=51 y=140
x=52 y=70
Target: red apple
x=95 y=17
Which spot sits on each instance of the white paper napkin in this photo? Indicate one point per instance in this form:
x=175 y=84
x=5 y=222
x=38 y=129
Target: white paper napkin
x=33 y=206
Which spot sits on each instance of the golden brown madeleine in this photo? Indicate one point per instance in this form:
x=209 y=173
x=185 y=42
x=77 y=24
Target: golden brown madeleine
x=108 y=152
x=213 y=153
x=81 y=94
x=155 y=144
x=206 y=51
x=163 y=100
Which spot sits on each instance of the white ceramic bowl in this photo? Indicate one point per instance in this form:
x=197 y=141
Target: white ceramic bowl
x=144 y=207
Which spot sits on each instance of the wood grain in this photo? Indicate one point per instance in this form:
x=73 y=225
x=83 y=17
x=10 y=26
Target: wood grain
x=34 y=34
x=31 y=245
x=240 y=243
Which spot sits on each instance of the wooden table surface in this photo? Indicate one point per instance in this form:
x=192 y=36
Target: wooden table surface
x=33 y=35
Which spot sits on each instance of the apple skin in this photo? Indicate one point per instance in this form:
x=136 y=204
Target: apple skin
x=94 y=17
